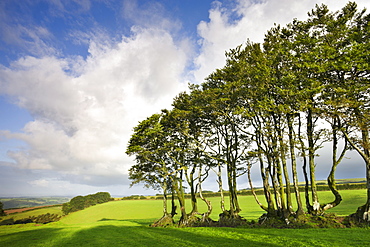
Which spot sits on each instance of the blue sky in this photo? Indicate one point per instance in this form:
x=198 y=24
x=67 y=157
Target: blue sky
x=77 y=75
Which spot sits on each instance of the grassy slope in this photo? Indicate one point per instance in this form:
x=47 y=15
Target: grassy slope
x=124 y=223
x=51 y=210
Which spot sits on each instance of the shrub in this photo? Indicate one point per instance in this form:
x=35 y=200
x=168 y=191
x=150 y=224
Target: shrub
x=80 y=202
x=7 y=222
x=2 y=213
x=39 y=219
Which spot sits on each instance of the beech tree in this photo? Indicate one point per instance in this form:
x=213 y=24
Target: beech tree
x=152 y=167
x=265 y=108
x=347 y=83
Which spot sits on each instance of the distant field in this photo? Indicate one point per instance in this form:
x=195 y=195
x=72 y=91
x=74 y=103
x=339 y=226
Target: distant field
x=342 y=181
x=19 y=210
x=125 y=223
x=26 y=202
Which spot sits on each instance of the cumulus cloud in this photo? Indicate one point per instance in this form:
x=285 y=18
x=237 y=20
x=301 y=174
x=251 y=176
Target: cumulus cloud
x=230 y=26
x=82 y=124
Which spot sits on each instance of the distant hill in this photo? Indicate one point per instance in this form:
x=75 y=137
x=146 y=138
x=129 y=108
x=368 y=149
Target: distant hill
x=25 y=202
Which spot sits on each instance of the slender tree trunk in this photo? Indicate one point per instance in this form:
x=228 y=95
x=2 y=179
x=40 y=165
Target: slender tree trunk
x=366 y=144
x=273 y=174
x=231 y=191
x=363 y=212
x=289 y=205
x=219 y=181
x=173 y=204
x=265 y=179
x=166 y=219
x=231 y=173
x=311 y=162
x=208 y=203
x=252 y=189
x=304 y=167
x=190 y=180
x=335 y=163
x=282 y=169
x=177 y=183
x=164 y=188
x=236 y=201
x=294 y=165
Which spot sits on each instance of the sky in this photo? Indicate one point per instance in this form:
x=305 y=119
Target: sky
x=77 y=75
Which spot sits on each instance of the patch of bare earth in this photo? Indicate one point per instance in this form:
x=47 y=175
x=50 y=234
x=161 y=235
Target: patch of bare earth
x=19 y=210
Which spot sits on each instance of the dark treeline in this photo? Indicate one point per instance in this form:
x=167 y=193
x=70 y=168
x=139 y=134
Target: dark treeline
x=265 y=108
x=81 y=202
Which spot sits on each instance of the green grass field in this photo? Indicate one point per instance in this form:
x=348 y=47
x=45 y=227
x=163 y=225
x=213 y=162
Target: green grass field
x=125 y=223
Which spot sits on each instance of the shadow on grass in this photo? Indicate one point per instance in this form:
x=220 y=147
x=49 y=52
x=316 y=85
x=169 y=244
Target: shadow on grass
x=139 y=222
x=147 y=236
x=113 y=235
x=34 y=237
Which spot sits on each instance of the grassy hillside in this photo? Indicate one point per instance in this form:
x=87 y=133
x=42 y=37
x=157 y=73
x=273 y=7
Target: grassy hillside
x=152 y=209
x=125 y=223
x=51 y=210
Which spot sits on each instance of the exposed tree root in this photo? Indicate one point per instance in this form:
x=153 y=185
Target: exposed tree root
x=360 y=218
x=306 y=221
x=165 y=221
x=231 y=220
x=267 y=221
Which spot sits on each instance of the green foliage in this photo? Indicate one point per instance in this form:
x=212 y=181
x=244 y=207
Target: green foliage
x=2 y=213
x=136 y=197
x=39 y=219
x=57 y=210
x=81 y=202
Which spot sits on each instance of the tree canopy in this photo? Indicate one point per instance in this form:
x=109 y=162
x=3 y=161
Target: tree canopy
x=265 y=109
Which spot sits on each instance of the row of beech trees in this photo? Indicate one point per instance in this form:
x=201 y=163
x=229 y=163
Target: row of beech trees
x=265 y=109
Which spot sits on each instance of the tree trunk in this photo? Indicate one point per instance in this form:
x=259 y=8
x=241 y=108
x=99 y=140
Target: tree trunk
x=273 y=174
x=165 y=211
x=363 y=212
x=190 y=180
x=304 y=167
x=335 y=163
x=289 y=205
x=166 y=219
x=288 y=208
x=231 y=172
x=265 y=179
x=205 y=216
x=177 y=184
x=219 y=182
x=294 y=165
x=252 y=189
x=311 y=162
x=173 y=204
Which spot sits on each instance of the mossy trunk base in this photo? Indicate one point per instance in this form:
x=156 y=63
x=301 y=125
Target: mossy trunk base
x=165 y=221
x=304 y=221
x=231 y=220
x=360 y=218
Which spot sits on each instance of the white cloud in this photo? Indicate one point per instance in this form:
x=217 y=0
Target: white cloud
x=40 y=182
x=253 y=19
x=151 y=14
x=82 y=124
